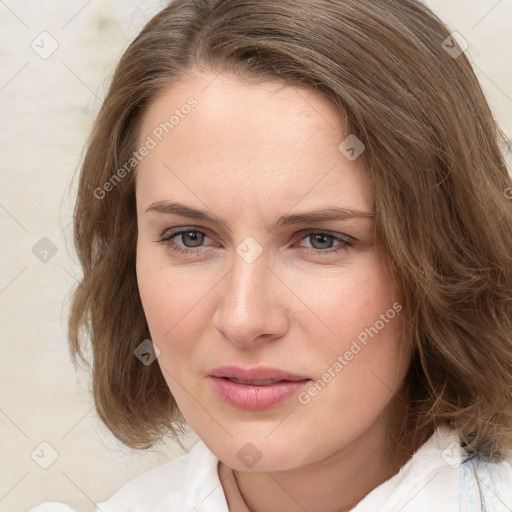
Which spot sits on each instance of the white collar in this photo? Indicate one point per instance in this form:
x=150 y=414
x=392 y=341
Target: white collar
x=428 y=481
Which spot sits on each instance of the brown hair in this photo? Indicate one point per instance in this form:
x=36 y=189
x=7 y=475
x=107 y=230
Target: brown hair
x=443 y=224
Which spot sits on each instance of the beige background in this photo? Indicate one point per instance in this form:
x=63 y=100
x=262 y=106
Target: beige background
x=47 y=106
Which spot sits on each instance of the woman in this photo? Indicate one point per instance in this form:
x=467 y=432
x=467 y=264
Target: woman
x=295 y=228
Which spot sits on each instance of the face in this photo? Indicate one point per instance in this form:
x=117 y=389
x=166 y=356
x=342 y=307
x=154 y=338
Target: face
x=251 y=255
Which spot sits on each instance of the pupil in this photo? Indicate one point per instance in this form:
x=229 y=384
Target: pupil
x=197 y=238
x=322 y=240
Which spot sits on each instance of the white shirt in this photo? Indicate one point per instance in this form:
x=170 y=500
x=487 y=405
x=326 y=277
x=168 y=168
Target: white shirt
x=433 y=480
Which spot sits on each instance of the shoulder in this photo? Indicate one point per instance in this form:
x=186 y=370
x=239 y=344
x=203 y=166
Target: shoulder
x=187 y=484
x=488 y=482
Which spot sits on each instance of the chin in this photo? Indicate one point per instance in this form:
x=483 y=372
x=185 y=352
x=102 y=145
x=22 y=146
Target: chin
x=256 y=454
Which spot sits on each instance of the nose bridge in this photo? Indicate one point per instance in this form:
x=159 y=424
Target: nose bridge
x=249 y=289
x=248 y=308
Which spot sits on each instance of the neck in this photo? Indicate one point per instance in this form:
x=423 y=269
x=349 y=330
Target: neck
x=338 y=482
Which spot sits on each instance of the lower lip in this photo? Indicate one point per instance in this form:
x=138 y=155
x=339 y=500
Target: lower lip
x=256 y=398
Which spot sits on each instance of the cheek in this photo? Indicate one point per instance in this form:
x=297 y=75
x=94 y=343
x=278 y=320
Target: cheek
x=175 y=304
x=363 y=355
x=353 y=303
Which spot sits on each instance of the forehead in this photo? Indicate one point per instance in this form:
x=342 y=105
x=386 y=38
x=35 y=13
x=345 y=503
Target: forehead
x=244 y=138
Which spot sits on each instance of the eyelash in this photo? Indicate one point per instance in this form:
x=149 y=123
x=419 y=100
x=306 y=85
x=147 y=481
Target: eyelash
x=345 y=242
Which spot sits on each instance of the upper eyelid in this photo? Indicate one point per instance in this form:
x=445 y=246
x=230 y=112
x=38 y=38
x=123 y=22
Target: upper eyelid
x=185 y=229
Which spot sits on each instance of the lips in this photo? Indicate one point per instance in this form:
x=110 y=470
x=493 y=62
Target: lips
x=256 y=376
x=257 y=388
x=254 y=382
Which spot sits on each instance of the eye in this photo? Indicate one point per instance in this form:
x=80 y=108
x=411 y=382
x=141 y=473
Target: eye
x=322 y=242
x=192 y=241
x=190 y=238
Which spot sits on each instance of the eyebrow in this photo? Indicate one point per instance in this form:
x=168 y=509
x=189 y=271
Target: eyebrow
x=326 y=214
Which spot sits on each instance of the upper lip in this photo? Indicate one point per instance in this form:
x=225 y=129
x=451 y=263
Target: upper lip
x=260 y=373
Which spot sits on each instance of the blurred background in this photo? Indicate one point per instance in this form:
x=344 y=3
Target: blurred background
x=56 y=59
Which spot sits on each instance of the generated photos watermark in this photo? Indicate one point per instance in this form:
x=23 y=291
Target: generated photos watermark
x=343 y=360
x=157 y=135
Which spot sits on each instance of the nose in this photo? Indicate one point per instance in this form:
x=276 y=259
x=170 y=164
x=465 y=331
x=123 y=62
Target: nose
x=251 y=304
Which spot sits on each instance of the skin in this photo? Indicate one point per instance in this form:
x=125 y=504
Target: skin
x=249 y=154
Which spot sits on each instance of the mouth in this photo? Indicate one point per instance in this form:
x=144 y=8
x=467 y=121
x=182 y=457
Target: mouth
x=266 y=382
x=260 y=376
x=255 y=389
